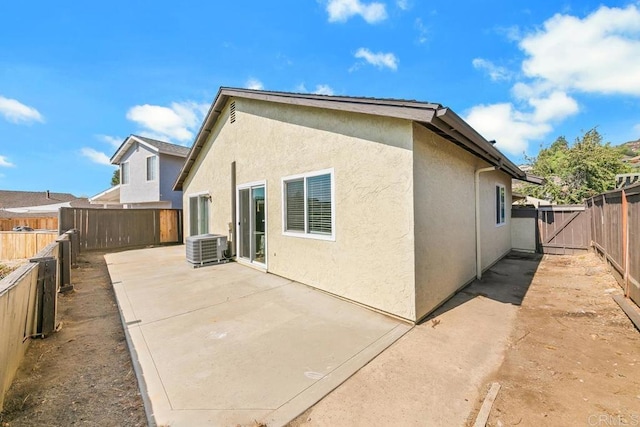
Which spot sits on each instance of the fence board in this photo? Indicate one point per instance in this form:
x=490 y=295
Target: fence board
x=122 y=228
x=43 y=223
x=24 y=244
x=616 y=238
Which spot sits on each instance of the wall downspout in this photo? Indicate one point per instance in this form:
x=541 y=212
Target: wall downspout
x=478 y=243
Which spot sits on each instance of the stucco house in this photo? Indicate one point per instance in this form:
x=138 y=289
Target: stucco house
x=393 y=204
x=148 y=170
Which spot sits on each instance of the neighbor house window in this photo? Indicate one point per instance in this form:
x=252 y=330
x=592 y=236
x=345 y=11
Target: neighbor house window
x=500 y=205
x=199 y=214
x=152 y=168
x=308 y=205
x=124 y=173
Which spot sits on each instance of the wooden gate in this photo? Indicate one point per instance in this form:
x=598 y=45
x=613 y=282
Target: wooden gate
x=563 y=230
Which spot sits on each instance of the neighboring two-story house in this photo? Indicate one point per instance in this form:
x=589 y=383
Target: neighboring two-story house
x=148 y=170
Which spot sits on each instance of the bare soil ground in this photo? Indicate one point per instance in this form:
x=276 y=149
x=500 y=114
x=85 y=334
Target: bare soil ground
x=81 y=375
x=574 y=356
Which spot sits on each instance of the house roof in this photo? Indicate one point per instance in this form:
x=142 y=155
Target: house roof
x=110 y=195
x=440 y=120
x=153 y=144
x=36 y=203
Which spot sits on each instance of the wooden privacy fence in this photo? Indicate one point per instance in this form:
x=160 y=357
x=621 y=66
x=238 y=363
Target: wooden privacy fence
x=615 y=230
x=24 y=244
x=563 y=229
x=43 y=223
x=121 y=228
x=28 y=303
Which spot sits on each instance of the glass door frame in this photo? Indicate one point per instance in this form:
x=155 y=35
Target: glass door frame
x=252 y=250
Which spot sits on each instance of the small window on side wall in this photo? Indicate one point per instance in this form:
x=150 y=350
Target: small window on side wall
x=500 y=205
x=309 y=209
x=152 y=168
x=124 y=173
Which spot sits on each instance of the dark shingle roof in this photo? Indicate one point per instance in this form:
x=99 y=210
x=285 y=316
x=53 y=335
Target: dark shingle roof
x=165 y=147
x=440 y=120
x=21 y=199
x=161 y=146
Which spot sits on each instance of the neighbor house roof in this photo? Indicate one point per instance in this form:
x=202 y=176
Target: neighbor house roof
x=36 y=203
x=153 y=144
x=441 y=120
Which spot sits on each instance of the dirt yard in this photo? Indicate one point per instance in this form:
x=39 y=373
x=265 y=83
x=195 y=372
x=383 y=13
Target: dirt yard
x=81 y=375
x=574 y=356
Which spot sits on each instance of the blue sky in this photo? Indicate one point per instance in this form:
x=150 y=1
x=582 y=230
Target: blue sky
x=77 y=77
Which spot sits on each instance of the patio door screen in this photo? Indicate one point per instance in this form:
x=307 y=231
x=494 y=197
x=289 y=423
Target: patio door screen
x=252 y=223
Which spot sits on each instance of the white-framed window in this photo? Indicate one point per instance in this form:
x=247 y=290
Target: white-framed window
x=124 y=173
x=199 y=214
x=500 y=204
x=309 y=205
x=152 y=168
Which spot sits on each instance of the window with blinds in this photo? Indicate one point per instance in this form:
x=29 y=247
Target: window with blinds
x=308 y=205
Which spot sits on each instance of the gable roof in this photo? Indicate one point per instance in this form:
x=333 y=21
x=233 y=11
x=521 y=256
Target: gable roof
x=153 y=144
x=36 y=203
x=440 y=120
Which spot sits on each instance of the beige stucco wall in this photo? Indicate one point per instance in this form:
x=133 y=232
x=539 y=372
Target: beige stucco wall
x=371 y=260
x=496 y=240
x=444 y=211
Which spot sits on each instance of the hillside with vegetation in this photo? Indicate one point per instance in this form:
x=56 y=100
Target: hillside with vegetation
x=574 y=172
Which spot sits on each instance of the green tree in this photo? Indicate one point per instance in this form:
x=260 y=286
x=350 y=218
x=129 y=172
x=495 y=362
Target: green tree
x=115 y=178
x=575 y=173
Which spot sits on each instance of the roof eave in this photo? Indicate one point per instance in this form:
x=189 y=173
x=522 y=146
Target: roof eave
x=459 y=131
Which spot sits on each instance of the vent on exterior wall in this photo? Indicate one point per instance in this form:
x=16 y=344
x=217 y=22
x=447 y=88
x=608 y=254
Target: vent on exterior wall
x=206 y=249
x=232 y=112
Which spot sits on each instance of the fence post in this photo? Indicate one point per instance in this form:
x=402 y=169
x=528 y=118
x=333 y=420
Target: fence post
x=64 y=258
x=46 y=296
x=625 y=241
x=74 y=239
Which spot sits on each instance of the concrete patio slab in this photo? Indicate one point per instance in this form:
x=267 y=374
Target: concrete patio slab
x=229 y=345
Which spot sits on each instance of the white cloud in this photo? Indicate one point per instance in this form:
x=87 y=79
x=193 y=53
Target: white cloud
x=254 y=84
x=17 y=112
x=514 y=128
x=554 y=107
x=568 y=55
x=598 y=54
x=178 y=122
x=114 y=141
x=95 y=156
x=495 y=72
x=422 y=30
x=342 y=10
x=403 y=4
x=510 y=128
x=323 y=90
x=379 y=59
x=5 y=163
x=636 y=128
x=319 y=90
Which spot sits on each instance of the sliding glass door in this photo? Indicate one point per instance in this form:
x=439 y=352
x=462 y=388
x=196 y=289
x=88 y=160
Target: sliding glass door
x=252 y=223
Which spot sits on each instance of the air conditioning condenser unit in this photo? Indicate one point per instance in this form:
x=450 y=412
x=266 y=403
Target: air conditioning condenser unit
x=206 y=249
